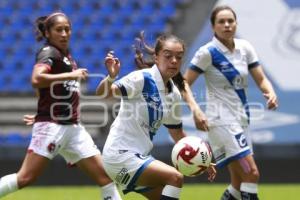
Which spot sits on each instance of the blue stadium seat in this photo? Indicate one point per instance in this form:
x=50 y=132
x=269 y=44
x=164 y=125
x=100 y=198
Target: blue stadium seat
x=14 y=139
x=98 y=26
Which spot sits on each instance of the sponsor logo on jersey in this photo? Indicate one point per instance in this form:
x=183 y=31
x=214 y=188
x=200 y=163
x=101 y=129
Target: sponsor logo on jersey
x=141 y=156
x=241 y=139
x=67 y=61
x=225 y=67
x=72 y=85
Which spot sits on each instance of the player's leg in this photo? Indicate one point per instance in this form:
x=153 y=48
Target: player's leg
x=246 y=169
x=232 y=192
x=81 y=149
x=159 y=174
x=42 y=148
x=153 y=194
x=93 y=167
x=33 y=165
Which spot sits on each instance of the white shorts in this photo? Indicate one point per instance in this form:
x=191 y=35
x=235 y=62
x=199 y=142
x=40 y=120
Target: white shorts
x=73 y=142
x=125 y=167
x=229 y=143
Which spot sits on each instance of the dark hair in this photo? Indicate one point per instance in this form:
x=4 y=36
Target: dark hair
x=141 y=46
x=45 y=23
x=160 y=41
x=216 y=10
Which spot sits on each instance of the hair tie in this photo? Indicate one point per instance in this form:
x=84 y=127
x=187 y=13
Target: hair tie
x=54 y=14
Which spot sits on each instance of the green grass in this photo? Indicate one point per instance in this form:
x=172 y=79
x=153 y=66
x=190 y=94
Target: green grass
x=189 y=192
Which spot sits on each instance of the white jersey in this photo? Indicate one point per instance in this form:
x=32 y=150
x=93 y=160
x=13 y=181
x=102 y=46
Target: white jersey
x=144 y=107
x=226 y=76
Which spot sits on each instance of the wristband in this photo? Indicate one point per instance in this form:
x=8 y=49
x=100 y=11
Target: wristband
x=110 y=79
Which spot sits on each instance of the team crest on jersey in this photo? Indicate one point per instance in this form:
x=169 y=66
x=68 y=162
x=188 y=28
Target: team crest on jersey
x=51 y=147
x=238 y=82
x=155 y=125
x=67 y=61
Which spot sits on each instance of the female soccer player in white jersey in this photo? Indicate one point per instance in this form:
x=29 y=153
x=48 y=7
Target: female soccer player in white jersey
x=225 y=63
x=149 y=99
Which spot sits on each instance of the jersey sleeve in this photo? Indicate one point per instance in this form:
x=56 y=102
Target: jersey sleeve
x=174 y=118
x=201 y=60
x=47 y=55
x=252 y=58
x=131 y=85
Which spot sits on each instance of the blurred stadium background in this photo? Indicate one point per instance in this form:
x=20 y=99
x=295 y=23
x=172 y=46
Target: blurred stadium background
x=272 y=26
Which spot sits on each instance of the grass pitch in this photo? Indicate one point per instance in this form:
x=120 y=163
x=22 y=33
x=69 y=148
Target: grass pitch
x=189 y=192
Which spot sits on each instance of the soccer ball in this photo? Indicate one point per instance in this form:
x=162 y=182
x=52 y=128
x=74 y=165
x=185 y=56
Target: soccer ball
x=191 y=156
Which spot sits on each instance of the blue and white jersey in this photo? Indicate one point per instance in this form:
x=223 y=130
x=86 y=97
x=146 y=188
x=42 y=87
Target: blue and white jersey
x=145 y=105
x=226 y=76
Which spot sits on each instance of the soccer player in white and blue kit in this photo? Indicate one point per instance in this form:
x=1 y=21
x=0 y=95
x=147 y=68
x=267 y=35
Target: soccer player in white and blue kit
x=225 y=63
x=149 y=99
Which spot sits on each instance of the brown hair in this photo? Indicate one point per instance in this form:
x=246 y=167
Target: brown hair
x=141 y=46
x=44 y=23
x=216 y=10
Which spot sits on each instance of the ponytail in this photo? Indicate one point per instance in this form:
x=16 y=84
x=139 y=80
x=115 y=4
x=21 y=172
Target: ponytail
x=40 y=29
x=44 y=23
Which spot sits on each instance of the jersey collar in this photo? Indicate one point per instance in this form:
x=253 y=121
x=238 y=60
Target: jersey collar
x=159 y=80
x=220 y=45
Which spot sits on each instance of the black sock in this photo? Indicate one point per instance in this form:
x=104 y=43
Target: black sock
x=249 y=196
x=163 y=197
x=227 y=196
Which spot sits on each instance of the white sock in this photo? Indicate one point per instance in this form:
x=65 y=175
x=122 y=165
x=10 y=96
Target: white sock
x=249 y=188
x=234 y=192
x=110 y=192
x=171 y=191
x=8 y=184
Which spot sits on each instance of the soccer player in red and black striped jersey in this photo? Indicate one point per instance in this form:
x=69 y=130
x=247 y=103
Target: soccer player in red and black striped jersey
x=56 y=129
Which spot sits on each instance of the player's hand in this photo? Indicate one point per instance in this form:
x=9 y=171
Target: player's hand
x=140 y=44
x=212 y=172
x=29 y=119
x=80 y=73
x=112 y=64
x=200 y=120
x=272 y=101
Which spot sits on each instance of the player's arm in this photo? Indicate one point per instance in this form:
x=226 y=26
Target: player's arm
x=200 y=119
x=41 y=78
x=265 y=86
x=106 y=88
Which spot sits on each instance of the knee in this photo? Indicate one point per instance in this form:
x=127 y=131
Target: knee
x=253 y=175
x=104 y=180
x=176 y=179
x=25 y=180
